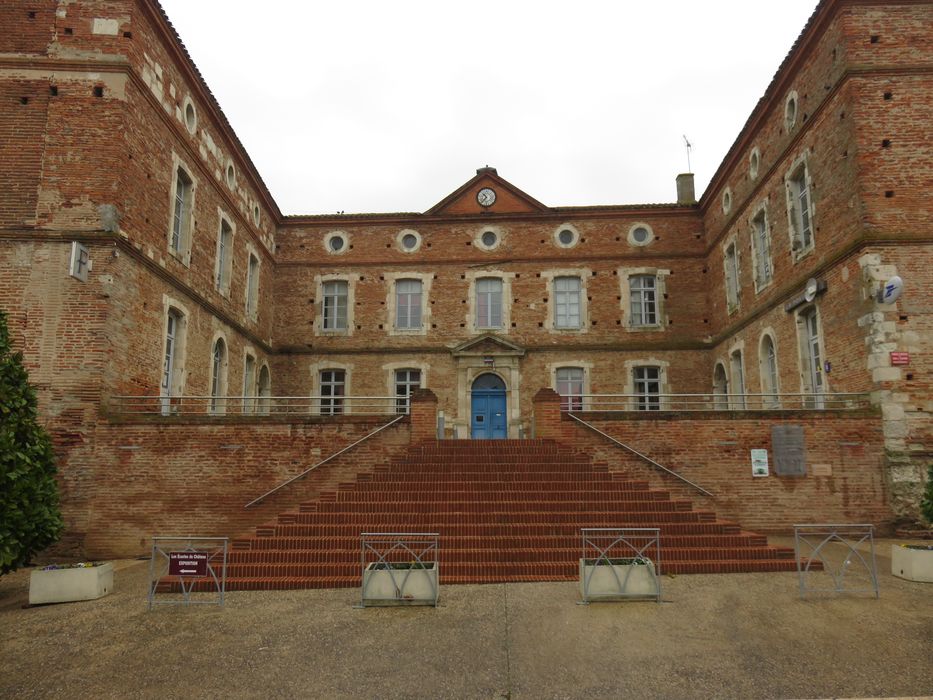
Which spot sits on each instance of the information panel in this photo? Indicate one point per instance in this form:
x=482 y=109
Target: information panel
x=187 y=563
x=790 y=454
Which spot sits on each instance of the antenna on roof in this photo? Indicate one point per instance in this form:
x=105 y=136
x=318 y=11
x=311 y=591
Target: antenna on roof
x=689 y=146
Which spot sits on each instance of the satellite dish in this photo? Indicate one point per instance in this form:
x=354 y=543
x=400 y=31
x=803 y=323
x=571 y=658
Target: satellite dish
x=809 y=292
x=891 y=291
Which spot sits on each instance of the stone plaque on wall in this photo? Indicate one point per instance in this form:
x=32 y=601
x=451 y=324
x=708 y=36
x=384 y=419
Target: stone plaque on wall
x=790 y=454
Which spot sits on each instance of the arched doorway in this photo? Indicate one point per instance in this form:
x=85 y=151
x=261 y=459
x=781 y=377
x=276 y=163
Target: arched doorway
x=488 y=417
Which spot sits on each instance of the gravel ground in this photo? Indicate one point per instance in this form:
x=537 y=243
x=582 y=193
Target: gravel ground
x=735 y=636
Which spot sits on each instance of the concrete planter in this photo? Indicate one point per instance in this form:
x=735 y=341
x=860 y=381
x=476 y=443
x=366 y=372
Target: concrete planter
x=403 y=584
x=912 y=562
x=618 y=578
x=66 y=585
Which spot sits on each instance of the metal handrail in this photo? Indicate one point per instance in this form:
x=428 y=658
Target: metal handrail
x=324 y=461
x=714 y=402
x=642 y=456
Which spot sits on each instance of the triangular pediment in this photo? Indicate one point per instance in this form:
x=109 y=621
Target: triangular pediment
x=487 y=345
x=465 y=200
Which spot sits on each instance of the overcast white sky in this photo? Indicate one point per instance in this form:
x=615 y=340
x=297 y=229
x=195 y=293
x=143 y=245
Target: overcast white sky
x=381 y=106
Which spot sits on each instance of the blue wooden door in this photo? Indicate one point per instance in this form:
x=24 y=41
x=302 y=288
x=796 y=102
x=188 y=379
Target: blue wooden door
x=488 y=409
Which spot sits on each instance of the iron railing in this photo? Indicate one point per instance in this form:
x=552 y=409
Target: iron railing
x=257 y=406
x=713 y=402
x=323 y=461
x=645 y=457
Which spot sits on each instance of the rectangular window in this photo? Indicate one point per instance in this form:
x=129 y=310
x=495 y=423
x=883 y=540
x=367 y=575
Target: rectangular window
x=408 y=304
x=732 y=277
x=80 y=261
x=333 y=383
x=405 y=381
x=489 y=302
x=335 y=305
x=799 y=194
x=222 y=267
x=252 y=286
x=647 y=388
x=181 y=212
x=570 y=388
x=643 y=291
x=174 y=328
x=762 y=246
x=567 y=302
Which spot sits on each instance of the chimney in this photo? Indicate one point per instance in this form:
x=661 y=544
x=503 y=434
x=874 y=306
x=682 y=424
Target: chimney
x=685 y=191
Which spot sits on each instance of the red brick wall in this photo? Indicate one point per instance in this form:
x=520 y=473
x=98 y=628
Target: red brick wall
x=713 y=451
x=196 y=476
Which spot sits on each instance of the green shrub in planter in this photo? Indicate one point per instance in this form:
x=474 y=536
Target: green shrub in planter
x=29 y=516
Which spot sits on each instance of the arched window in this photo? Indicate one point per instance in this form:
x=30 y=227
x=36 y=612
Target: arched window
x=218 y=376
x=265 y=391
x=720 y=388
x=738 y=379
x=768 y=370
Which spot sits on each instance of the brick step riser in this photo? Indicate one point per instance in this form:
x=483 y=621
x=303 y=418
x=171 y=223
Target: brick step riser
x=490 y=495
x=492 y=530
x=480 y=507
x=416 y=522
x=268 y=544
x=457 y=486
x=450 y=555
x=545 y=478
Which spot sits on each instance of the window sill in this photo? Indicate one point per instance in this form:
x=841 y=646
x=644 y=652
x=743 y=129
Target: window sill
x=801 y=254
x=183 y=258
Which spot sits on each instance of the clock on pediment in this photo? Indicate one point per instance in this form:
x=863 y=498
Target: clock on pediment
x=486 y=197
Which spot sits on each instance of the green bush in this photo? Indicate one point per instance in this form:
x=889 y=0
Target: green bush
x=29 y=516
x=926 y=503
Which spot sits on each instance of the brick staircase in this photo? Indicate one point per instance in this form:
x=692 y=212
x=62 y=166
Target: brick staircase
x=506 y=510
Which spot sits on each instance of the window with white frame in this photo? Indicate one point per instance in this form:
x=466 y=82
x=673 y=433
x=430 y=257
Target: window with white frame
x=218 y=376
x=489 y=302
x=333 y=389
x=265 y=391
x=181 y=212
x=249 y=384
x=569 y=384
x=406 y=380
x=720 y=387
x=335 y=305
x=252 y=286
x=761 y=245
x=738 y=379
x=643 y=300
x=567 y=302
x=408 y=304
x=80 y=261
x=171 y=370
x=647 y=383
x=224 y=261
x=731 y=262
x=800 y=210
x=768 y=370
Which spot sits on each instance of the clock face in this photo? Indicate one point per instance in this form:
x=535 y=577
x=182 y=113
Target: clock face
x=486 y=197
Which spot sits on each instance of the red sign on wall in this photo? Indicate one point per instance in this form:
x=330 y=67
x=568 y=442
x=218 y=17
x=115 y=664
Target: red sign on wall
x=187 y=563
x=900 y=358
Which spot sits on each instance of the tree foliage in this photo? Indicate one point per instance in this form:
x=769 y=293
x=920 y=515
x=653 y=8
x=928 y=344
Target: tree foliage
x=29 y=515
